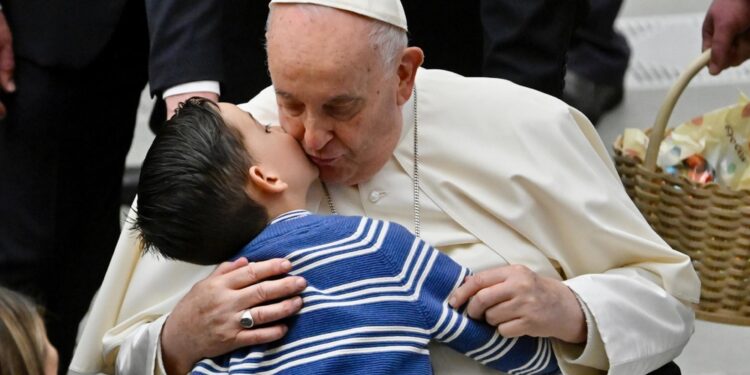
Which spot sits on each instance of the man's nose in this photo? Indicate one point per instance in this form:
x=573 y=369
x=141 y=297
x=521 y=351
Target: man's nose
x=316 y=136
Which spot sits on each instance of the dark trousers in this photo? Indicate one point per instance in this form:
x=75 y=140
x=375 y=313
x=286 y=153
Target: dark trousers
x=527 y=41
x=62 y=153
x=598 y=52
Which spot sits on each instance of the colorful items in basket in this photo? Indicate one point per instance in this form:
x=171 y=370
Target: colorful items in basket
x=694 y=168
x=711 y=148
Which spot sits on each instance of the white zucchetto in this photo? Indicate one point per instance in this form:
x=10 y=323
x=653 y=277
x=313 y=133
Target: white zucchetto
x=388 y=11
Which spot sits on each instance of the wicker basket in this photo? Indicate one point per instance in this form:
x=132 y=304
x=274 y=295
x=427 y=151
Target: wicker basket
x=710 y=223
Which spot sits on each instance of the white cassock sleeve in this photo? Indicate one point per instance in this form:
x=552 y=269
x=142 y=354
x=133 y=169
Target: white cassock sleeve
x=122 y=328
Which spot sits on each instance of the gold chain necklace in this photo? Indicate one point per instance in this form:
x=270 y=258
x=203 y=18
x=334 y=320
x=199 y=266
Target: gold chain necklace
x=415 y=174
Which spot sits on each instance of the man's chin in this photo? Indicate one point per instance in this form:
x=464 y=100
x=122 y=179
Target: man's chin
x=329 y=175
x=334 y=175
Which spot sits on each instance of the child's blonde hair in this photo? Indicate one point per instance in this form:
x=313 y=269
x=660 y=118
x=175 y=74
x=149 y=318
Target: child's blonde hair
x=23 y=338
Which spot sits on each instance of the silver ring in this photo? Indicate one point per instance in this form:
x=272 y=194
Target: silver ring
x=246 y=319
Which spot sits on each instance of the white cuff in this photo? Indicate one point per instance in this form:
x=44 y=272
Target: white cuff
x=641 y=327
x=582 y=359
x=197 y=86
x=139 y=352
x=159 y=368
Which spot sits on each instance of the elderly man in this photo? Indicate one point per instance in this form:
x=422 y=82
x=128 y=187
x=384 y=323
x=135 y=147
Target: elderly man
x=508 y=181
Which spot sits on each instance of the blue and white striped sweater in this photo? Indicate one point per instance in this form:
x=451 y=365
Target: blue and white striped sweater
x=376 y=296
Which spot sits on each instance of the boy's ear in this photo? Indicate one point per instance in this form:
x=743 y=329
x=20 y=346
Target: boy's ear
x=266 y=181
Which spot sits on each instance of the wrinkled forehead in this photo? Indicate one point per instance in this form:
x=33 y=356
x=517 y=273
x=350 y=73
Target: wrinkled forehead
x=314 y=41
x=315 y=13
x=317 y=27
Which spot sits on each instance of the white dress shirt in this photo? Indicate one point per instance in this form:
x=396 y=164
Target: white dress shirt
x=197 y=86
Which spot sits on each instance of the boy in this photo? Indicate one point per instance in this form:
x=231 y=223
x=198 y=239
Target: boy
x=212 y=182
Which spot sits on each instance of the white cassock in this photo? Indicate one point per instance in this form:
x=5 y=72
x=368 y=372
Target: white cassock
x=507 y=176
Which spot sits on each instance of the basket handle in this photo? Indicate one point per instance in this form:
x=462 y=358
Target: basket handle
x=660 y=125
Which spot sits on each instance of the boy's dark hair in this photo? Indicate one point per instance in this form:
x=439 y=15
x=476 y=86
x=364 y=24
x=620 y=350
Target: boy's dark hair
x=192 y=204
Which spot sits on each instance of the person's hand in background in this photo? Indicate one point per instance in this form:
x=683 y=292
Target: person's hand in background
x=726 y=30
x=7 y=64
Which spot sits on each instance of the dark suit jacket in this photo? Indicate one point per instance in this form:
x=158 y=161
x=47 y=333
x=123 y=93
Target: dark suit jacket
x=61 y=33
x=207 y=40
x=220 y=40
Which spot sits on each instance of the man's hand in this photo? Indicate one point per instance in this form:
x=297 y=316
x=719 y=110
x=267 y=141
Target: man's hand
x=205 y=323
x=7 y=63
x=174 y=101
x=519 y=302
x=726 y=30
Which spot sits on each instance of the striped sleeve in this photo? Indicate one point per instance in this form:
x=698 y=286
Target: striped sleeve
x=477 y=340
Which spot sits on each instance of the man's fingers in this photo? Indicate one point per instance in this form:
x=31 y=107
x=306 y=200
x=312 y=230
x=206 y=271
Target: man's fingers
x=502 y=312
x=263 y=335
x=6 y=80
x=271 y=290
x=722 y=26
x=227 y=267
x=7 y=67
x=721 y=46
x=514 y=328
x=474 y=283
x=741 y=49
x=708 y=31
x=487 y=298
x=268 y=314
x=171 y=104
x=277 y=311
x=726 y=28
x=255 y=272
x=7 y=60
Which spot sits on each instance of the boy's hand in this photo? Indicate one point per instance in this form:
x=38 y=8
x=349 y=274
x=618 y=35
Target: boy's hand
x=205 y=323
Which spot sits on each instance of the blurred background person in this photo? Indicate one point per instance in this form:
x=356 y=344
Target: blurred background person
x=71 y=73
x=565 y=48
x=597 y=61
x=24 y=347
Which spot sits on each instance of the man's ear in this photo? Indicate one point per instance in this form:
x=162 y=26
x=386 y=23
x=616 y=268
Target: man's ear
x=265 y=181
x=411 y=60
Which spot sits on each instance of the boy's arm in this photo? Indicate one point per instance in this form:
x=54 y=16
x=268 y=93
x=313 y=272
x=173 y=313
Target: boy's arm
x=477 y=340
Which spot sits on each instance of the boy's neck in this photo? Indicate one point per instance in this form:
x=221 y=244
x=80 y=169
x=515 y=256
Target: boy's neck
x=284 y=203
